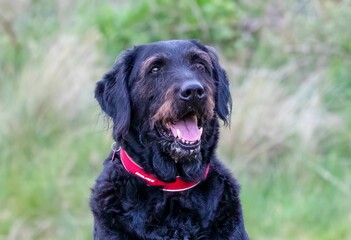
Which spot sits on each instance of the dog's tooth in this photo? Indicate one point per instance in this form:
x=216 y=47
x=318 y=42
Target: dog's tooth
x=191 y=151
x=201 y=129
x=178 y=133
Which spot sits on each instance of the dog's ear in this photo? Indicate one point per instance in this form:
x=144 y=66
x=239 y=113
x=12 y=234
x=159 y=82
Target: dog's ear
x=113 y=95
x=223 y=98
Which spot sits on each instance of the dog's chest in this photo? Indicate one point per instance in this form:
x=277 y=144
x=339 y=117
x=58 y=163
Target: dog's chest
x=152 y=213
x=176 y=215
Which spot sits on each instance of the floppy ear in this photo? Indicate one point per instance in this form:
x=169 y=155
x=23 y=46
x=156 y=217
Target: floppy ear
x=223 y=98
x=113 y=95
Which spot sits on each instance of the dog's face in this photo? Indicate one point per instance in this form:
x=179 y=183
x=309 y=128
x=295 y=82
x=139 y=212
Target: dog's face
x=167 y=93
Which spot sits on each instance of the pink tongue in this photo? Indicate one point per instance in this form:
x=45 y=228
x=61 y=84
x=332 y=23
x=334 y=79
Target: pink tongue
x=187 y=129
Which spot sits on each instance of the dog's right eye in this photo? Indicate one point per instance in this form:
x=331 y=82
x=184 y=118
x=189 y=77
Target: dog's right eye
x=154 y=70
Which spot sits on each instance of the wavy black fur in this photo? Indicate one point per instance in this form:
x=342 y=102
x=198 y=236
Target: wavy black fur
x=132 y=94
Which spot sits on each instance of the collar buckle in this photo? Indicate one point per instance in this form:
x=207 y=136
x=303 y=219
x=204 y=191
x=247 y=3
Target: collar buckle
x=115 y=148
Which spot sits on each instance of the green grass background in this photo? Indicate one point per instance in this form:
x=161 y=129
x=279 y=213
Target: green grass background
x=289 y=143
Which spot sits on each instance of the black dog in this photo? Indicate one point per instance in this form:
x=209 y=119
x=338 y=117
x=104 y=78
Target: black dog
x=165 y=182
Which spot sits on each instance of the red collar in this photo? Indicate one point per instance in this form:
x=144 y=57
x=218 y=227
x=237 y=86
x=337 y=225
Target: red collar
x=151 y=180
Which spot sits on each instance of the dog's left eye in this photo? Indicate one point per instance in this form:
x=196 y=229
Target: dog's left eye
x=200 y=66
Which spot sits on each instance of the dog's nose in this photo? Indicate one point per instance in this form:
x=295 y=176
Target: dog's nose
x=192 y=90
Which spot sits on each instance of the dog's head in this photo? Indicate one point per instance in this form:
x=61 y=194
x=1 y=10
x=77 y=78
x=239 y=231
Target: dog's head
x=170 y=93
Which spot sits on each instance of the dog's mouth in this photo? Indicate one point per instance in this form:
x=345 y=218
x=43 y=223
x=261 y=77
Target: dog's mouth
x=185 y=132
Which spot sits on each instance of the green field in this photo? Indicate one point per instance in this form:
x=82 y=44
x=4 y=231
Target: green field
x=289 y=142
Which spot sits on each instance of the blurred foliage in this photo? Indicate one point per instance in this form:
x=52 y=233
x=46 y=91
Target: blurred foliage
x=290 y=139
x=155 y=20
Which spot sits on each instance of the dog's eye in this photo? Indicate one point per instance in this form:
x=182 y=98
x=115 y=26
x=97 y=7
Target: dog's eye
x=200 y=66
x=154 y=70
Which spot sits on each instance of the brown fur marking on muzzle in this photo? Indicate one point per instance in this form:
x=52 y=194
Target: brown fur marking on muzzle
x=167 y=110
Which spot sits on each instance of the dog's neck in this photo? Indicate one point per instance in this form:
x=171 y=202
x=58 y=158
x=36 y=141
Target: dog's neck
x=151 y=180
x=147 y=152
